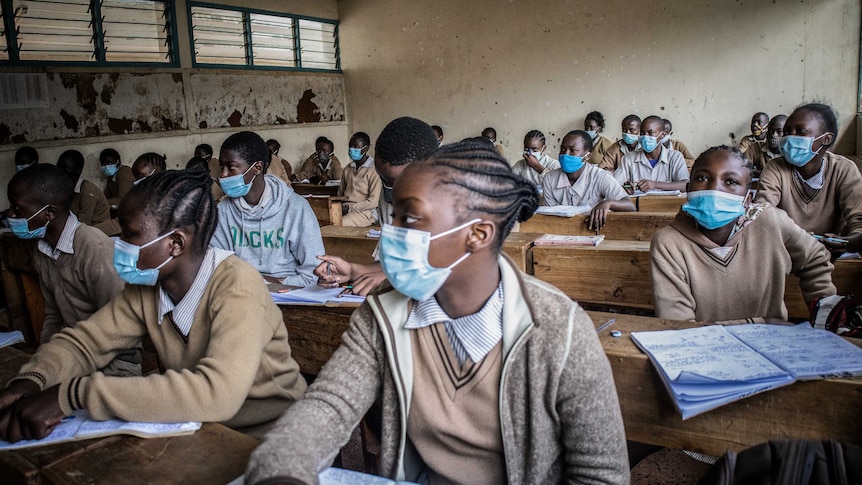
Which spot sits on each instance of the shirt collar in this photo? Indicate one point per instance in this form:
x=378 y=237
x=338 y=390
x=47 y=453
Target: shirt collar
x=65 y=244
x=643 y=157
x=471 y=335
x=78 y=184
x=815 y=182
x=580 y=185
x=183 y=313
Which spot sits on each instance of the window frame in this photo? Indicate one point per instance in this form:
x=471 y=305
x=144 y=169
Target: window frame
x=249 y=57
x=98 y=41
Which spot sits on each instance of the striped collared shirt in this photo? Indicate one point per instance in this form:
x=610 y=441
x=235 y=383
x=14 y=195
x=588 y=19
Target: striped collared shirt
x=183 y=313
x=815 y=182
x=472 y=335
x=65 y=244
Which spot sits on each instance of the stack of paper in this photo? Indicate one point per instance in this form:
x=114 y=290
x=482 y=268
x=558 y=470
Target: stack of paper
x=313 y=294
x=706 y=367
x=11 y=338
x=563 y=210
x=561 y=240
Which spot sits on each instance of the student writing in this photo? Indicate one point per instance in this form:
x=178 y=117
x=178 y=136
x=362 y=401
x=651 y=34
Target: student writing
x=654 y=166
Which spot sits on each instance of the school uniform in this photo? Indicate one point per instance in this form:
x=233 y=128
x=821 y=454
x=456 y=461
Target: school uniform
x=361 y=186
x=696 y=279
x=89 y=203
x=278 y=169
x=759 y=155
x=749 y=140
x=600 y=146
x=614 y=155
x=592 y=187
x=119 y=185
x=524 y=170
x=224 y=346
x=539 y=390
x=830 y=202
x=215 y=174
x=680 y=147
x=636 y=166
x=312 y=168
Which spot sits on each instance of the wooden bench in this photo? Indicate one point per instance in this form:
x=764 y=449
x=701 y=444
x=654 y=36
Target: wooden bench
x=660 y=203
x=314 y=189
x=24 y=297
x=326 y=209
x=621 y=226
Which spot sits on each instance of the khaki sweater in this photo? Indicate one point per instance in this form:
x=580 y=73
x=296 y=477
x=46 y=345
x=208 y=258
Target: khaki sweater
x=614 y=155
x=90 y=204
x=836 y=208
x=600 y=146
x=119 y=185
x=76 y=285
x=692 y=283
x=235 y=368
x=311 y=169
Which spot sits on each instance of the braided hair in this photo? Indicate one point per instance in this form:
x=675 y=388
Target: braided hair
x=177 y=198
x=152 y=160
x=732 y=151
x=487 y=182
x=534 y=134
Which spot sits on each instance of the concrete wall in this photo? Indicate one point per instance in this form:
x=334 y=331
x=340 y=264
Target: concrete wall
x=520 y=65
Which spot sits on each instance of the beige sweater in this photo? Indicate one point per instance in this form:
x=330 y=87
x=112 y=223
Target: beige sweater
x=836 y=208
x=119 y=185
x=90 y=204
x=236 y=367
x=311 y=168
x=692 y=283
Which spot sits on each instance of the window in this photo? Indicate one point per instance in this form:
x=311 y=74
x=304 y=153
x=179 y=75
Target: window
x=228 y=36
x=90 y=31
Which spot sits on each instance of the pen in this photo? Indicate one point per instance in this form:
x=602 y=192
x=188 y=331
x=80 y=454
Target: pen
x=606 y=325
x=348 y=290
x=328 y=269
x=284 y=290
x=830 y=239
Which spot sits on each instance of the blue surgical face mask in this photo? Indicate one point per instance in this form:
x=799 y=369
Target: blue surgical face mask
x=126 y=262
x=798 y=150
x=21 y=227
x=18 y=168
x=235 y=186
x=110 y=170
x=630 y=139
x=649 y=143
x=355 y=154
x=713 y=209
x=593 y=134
x=405 y=260
x=137 y=182
x=571 y=163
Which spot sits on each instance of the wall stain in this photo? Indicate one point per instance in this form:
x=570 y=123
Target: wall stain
x=91 y=130
x=280 y=121
x=20 y=138
x=71 y=122
x=83 y=84
x=120 y=126
x=234 y=119
x=145 y=127
x=306 y=110
x=168 y=123
x=5 y=132
x=202 y=125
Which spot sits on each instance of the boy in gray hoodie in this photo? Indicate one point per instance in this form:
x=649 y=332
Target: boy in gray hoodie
x=263 y=220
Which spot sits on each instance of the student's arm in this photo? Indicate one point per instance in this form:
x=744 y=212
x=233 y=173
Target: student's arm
x=303 y=244
x=616 y=199
x=673 y=297
x=311 y=432
x=335 y=170
x=53 y=321
x=125 y=182
x=610 y=160
x=592 y=427
x=305 y=170
x=850 y=202
x=222 y=238
x=335 y=271
x=645 y=185
x=372 y=195
x=809 y=259
x=769 y=187
x=96 y=267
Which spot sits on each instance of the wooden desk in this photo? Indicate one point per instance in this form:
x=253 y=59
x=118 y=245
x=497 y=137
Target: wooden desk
x=314 y=189
x=214 y=454
x=353 y=244
x=660 y=203
x=21 y=284
x=815 y=410
x=326 y=210
x=621 y=226
x=314 y=332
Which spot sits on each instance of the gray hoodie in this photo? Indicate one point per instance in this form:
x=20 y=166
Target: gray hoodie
x=279 y=236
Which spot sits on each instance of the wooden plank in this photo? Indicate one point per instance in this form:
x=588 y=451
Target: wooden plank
x=519 y=247
x=846 y=276
x=34 y=300
x=326 y=210
x=815 y=410
x=660 y=203
x=16 y=258
x=621 y=226
x=314 y=332
x=314 y=189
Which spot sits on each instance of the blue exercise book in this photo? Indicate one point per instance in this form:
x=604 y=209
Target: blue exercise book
x=706 y=367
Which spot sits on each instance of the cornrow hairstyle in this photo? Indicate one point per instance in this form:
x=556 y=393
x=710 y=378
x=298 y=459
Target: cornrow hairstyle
x=535 y=134
x=826 y=115
x=480 y=139
x=48 y=184
x=109 y=153
x=405 y=140
x=26 y=154
x=206 y=148
x=196 y=162
x=153 y=160
x=362 y=136
x=584 y=136
x=177 y=198
x=597 y=117
x=487 y=181
x=628 y=119
x=733 y=151
x=250 y=147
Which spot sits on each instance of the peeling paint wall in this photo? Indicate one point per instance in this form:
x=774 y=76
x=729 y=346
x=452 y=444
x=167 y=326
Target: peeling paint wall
x=520 y=65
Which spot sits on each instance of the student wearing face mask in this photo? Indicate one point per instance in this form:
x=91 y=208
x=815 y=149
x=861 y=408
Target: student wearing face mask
x=818 y=189
x=25 y=157
x=669 y=141
x=491 y=135
x=761 y=154
x=119 y=177
x=631 y=130
x=322 y=166
x=360 y=185
x=758 y=131
x=654 y=166
x=535 y=164
x=594 y=125
x=712 y=264
x=486 y=375
x=89 y=204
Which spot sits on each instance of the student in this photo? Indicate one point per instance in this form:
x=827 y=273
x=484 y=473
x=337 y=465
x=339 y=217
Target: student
x=486 y=375
x=322 y=166
x=89 y=204
x=263 y=220
x=491 y=135
x=208 y=314
x=120 y=179
x=278 y=166
x=762 y=153
x=820 y=190
x=594 y=125
x=631 y=130
x=675 y=144
x=73 y=260
x=25 y=157
x=579 y=183
x=653 y=167
x=198 y=162
x=205 y=151
x=403 y=141
x=535 y=164
x=758 y=131
x=148 y=165
x=724 y=259
x=360 y=185
x=438 y=132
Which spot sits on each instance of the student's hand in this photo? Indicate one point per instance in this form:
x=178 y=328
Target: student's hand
x=363 y=285
x=533 y=162
x=332 y=271
x=599 y=216
x=272 y=279
x=629 y=188
x=32 y=418
x=15 y=390
x=646 y=185
x=838 y=248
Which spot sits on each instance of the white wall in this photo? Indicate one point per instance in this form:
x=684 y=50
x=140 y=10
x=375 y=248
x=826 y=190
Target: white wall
x=519 y=65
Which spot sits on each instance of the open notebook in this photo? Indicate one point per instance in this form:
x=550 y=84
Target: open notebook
x=313 y=294
x=340 y=476
x=563 y=210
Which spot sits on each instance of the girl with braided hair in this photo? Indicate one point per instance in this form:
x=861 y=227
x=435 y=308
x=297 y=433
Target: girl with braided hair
x=207 y=312
x=485 y=375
